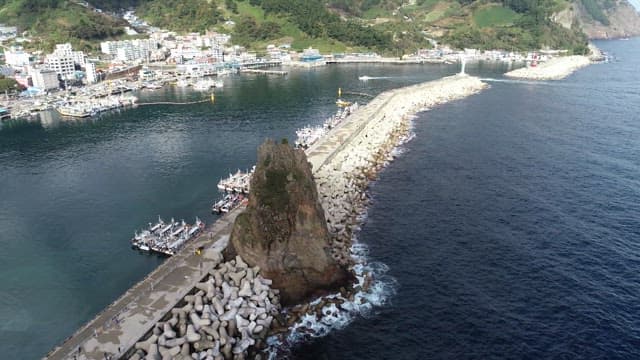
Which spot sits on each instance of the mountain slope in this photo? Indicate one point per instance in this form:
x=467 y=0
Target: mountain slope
x=621 y=19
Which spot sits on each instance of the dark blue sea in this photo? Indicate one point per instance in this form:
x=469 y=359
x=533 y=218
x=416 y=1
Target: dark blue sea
x=510 y=224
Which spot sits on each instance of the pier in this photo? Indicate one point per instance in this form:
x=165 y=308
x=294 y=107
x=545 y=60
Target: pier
x=262 y=71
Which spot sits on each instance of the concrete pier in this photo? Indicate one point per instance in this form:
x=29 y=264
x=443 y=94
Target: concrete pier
x=115 y=330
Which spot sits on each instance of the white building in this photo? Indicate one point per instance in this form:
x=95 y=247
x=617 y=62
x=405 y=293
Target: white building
x=63 y=60
x=90 y=69
x=63 y=65
x=129 y=50
x=45 y=79
x=16 y=57
x=63 y=49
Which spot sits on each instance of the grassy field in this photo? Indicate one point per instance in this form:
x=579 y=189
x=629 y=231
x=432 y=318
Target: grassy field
x=494 y=15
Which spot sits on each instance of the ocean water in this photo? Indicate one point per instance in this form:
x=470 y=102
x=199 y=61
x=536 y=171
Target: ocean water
x=508 y=227
x=72 y=193
x=511 y=223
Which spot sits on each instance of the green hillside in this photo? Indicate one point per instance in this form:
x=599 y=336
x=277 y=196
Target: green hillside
x=55 y=21
x=393 y=27
x=389 y=26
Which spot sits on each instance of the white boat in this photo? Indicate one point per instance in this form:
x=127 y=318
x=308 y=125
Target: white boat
x=364 y=78
x=218 y=84
x=74 y=111
x=143 y=247
x=182 y=83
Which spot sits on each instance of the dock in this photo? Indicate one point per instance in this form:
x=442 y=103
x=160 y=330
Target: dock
x=116 y=329
x=267 y=72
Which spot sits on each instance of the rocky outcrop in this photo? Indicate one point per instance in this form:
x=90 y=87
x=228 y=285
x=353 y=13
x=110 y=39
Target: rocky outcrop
x=283 y=230
x=623 y=18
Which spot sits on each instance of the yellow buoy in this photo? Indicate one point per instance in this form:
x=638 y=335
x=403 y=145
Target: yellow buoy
x=339 y=92
x=213 y=98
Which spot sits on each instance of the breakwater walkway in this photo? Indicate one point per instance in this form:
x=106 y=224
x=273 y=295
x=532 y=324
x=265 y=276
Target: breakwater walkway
x=371 y=123
x=116 y=329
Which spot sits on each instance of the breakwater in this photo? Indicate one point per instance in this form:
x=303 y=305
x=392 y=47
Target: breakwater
x=554 y=69
x=136 y=324
x=344 y=162
x=349 y=156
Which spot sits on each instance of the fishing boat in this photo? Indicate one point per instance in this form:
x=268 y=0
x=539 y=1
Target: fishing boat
x=240 y=182
x=166 y=238
x=74 y=111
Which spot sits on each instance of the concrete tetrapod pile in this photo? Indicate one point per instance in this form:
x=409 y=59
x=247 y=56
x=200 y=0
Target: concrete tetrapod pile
x=227 y=315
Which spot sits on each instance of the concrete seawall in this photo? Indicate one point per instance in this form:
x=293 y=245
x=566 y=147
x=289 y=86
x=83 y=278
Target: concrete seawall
x=341 y=162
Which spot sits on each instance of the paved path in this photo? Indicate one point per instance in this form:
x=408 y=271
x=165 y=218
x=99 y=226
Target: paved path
x=116 y=329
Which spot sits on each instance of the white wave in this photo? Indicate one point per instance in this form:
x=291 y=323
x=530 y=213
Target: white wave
x=381 y=289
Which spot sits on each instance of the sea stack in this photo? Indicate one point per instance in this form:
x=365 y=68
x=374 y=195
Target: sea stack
x=283 y=230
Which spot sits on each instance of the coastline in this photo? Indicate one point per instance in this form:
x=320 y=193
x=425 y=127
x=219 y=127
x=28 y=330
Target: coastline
x=366 y=139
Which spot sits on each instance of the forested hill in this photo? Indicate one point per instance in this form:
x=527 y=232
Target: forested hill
x=389 y=26
x=55 y=21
